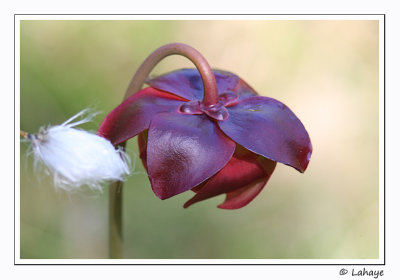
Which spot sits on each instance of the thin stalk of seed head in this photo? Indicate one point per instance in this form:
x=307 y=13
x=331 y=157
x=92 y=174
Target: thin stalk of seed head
x=24 y=134
x=210 y=98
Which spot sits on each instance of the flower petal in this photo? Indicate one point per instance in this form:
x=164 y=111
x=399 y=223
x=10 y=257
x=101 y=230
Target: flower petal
x=142 y=143
x=187 y=83
x=243 y=196
x=134 y=114
x=244 y=169
x=183 y=151
x=244 y=90
x=267 y=127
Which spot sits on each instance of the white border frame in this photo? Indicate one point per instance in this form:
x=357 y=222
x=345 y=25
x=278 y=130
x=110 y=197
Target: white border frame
x=380 y=18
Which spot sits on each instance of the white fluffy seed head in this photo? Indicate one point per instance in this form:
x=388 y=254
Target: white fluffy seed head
x=76 y=157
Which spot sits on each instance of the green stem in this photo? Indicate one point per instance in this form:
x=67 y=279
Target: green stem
x=115 y=220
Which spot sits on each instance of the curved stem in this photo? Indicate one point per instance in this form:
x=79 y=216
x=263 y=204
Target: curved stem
x=206 y=73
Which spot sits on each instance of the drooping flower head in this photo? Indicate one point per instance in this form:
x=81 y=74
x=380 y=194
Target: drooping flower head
x=228 y=143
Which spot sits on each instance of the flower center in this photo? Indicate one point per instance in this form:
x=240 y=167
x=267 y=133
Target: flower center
x=216 y=111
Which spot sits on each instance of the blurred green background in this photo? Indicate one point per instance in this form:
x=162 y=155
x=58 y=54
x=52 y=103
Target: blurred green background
x=325 y=71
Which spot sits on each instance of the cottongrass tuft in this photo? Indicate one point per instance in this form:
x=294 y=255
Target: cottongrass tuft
x=76 y=157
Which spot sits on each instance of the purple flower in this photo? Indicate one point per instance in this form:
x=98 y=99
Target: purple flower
x=230 y=147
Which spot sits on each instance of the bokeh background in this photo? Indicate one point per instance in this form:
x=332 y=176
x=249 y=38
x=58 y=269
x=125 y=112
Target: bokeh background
x=325 y=71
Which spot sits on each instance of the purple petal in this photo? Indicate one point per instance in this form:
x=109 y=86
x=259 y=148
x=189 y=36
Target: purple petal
x=134 y=114
x=244 y=90
x=183 y=151
x=187 y=83
x=245 y=168
x=267 y=127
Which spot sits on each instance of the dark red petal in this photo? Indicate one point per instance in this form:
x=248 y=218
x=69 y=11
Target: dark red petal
x=142 y=142
x=183 y=151
x=187 y=83
x=134 y=114
x=243 y=196
x=245 y=168
x=267 y=127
